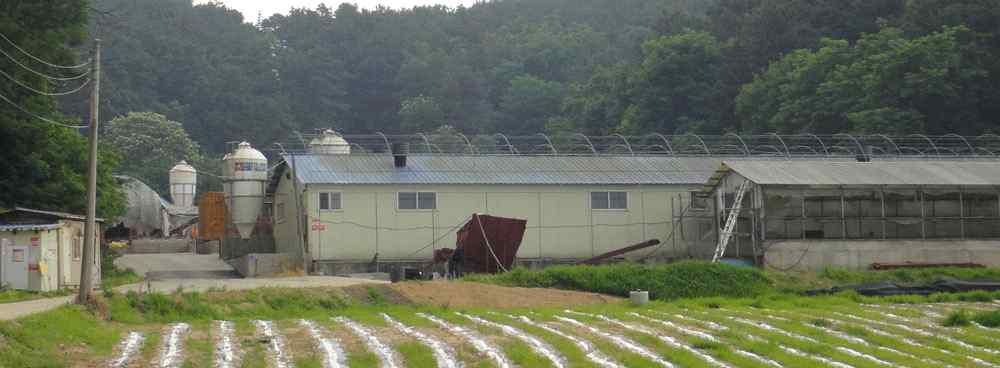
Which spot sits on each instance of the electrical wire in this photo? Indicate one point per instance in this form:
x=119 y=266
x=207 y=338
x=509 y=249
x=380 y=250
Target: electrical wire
x=43 y=61
x=488 y=246
x=446 y=233
x=39 y=117
x=32 y=89
x=43 y=75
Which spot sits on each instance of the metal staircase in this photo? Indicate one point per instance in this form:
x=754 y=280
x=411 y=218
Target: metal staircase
x=731 y=220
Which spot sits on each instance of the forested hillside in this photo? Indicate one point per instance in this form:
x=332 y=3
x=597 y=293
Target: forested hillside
x=527 y=66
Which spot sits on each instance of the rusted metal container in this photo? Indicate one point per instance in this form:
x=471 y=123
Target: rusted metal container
x=502 y=240
x=212 y=216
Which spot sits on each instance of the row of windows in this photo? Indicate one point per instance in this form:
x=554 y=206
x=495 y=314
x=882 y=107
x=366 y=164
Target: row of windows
x=332 y=201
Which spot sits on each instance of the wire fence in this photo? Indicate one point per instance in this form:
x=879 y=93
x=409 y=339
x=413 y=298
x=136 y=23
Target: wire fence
x=728 y=145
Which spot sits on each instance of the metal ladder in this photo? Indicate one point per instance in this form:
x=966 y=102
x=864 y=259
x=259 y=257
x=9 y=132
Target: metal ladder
x=734 y=215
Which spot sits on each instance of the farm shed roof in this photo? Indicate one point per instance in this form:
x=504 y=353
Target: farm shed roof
x=898 y=172
x=28 y=227
x=461 y=169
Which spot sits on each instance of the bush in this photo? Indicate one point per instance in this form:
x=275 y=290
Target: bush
x=988 y=319
x=956 y=319
x=689 y=279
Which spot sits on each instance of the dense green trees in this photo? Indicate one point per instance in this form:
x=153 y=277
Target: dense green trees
x=152 y=144
x=521 y=67
x=43 y=165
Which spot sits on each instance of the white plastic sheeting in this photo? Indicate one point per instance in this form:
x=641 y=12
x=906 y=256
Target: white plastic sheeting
x=477 y=342
x=790 y=350
x=709 y=337
x=280 y=357
x=768 y=327
x=620 y=341
x=333 y=354
x=587 y=347
x=443 y=353
x=669 y=340
x=226 y=349
x=172 y=351
x=536 y=344
x=127 y=348
x=383 y=351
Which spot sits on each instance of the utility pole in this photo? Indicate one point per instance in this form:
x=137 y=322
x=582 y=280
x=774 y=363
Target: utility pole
x=90 y=230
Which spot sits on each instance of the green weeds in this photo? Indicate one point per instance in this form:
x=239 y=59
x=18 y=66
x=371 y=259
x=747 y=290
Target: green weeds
x=689 y=279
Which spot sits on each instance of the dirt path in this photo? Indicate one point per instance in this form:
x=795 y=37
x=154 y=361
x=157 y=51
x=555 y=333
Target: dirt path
x=9 y=311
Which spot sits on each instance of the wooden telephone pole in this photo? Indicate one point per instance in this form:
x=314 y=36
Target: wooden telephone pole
x=90 y=230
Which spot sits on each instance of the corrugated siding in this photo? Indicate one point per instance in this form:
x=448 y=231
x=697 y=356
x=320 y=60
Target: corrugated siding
x=930 y=172
x=379 y=169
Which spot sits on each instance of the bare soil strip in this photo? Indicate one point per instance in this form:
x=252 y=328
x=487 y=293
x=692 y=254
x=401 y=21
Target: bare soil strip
x=226 y=349
x=536 y=344
x=477 y=342
x=588 y=348
x=126 y=349
x=709 y=337
x=172 y=350
x=669 y=340
x=333 y=353
x=443 y=353
x=621 y=341
x=385 y=354
x=280 y=357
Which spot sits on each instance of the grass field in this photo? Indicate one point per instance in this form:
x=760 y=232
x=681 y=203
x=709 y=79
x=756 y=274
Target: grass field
x=321 y=328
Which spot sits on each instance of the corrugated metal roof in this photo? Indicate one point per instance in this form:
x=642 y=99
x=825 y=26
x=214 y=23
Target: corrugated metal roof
x=439 y=169
x=902 y=172
x=27 y=227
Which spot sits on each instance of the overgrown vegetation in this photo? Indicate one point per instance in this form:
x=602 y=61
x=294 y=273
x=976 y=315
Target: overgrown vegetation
x=795 y=281
x=111 y=275
x=690 y=279
x=957 y=318
x=988 y=318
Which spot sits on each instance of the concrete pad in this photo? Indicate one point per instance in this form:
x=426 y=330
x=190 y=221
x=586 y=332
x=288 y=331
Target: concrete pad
x=177 y=266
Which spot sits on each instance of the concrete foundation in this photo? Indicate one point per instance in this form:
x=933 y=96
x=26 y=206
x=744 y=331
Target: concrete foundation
x=264 y=264
x=860 y=254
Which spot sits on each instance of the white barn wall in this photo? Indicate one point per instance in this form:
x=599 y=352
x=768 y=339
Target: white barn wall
x=561 y=224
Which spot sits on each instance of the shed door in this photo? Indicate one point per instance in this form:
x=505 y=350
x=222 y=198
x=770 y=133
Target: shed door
x=15 y=266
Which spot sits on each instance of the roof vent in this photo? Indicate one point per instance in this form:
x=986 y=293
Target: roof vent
x=399 y=152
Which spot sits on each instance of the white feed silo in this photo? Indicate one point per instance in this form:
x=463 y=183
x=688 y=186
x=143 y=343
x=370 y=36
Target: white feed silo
x=330 y=143
x=183 y=184
x=244 y=177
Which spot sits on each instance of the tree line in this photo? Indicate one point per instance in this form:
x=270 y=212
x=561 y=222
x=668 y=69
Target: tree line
x=518 y=67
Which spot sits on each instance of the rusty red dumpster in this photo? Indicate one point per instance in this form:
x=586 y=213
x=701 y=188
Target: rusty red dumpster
x=489 y=244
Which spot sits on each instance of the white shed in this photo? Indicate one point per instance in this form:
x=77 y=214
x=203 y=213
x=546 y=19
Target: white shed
x=43 y=250
x=364 y=209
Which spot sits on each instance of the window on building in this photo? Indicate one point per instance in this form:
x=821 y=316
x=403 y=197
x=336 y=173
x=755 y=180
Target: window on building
x=417 y=200
x=609 y=200
x=329 y=201
x=77 y=250
x=699 y=201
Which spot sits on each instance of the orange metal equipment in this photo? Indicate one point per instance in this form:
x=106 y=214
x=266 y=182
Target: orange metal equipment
x=212 y=216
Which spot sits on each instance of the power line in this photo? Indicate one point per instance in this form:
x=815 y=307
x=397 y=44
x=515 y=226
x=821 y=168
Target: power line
x=33 y=89
x=43 y=75
x=39 y=117
x=43 y=61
